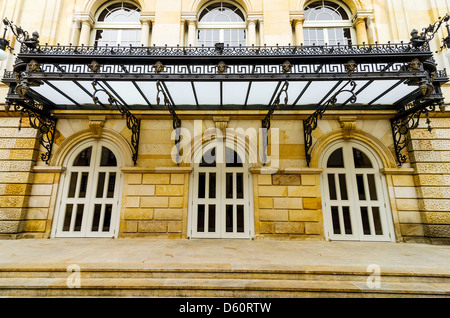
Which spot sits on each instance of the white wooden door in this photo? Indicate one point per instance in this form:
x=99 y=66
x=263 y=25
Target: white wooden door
x=220 y=198
x=89 y=200
x=354 y=194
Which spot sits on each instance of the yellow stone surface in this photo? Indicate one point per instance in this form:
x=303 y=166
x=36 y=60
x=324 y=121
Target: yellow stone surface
x=286 y=205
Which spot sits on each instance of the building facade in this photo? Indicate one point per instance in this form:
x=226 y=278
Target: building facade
x=90 y=141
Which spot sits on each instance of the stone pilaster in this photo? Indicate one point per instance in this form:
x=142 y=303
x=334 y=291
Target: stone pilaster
x=18 y=154
x=430 y=157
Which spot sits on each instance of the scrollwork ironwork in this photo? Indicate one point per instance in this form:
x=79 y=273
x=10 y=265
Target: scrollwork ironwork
x=266 y=121
x=176 y=122
x=133 y=123
x=389 y=48
x=45 y=125
x=402 y=125
x=310 y=124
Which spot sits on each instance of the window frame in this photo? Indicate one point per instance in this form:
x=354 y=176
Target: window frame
x=222 y=26
x=118 y=26
x=330 y=24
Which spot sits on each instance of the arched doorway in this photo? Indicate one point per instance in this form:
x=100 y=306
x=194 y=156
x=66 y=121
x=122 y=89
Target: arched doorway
x=221 y=197
x=90 y=191
x=354 y=194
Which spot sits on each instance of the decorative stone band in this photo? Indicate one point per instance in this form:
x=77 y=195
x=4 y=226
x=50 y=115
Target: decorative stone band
x=179 y=170
x=268 y=170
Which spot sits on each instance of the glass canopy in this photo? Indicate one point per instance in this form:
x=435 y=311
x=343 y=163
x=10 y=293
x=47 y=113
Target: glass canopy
x=398 y=77
x=386 y=76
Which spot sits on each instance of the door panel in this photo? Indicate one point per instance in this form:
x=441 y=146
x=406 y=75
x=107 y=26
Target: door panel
x=90 y=194
x=220 y=198
x=354 y=201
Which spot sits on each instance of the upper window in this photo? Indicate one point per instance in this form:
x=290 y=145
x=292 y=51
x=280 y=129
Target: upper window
x=221 y=22
x=325 y=11
x=327 y=23
x=118 y=24
x=221 y=12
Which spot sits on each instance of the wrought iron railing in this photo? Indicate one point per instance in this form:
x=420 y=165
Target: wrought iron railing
x=366 y=49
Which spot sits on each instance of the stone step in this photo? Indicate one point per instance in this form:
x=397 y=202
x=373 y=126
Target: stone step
x=166 y=287
x=205 y=273
x=217 y=280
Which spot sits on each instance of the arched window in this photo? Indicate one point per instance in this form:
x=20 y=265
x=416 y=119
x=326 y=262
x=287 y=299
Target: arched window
x=90 y=192
x=354 y=194
x=327 y=23
x=221 y=22
x=118 y=23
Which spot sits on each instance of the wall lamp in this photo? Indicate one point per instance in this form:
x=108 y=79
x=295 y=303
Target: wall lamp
x=417 y=40
x=21 y=36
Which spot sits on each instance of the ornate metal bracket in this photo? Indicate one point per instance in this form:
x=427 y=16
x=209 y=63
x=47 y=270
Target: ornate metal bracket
x=276 y=105
x=43 y=122
x=403 y=123
x=39 y=116
x=310 y=124
x=266 y=121
x=176 y=122
x=133 y=123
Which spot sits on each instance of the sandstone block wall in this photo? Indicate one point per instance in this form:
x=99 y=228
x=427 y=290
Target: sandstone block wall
x=18 y=153
x=288 y=207
x=154 y=205
x=429 y=153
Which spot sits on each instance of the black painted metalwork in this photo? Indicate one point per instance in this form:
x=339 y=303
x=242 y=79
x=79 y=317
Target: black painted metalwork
x=22 y=36
x=274 y=105
x=176 y=122
x=42 y=121
x=310 y=124
x=428 y=33
x=257 y=70
x=266 y=54
x=133 y=123
x=406 y=64
x=409 y=118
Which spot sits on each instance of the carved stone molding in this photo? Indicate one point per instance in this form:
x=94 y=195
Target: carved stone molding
x=348 y=124
x=221 y=123
x=96 y=124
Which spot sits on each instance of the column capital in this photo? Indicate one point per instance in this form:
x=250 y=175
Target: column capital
x=252 y=21
x=359 y=20
x=189 y=17
x=254 y=16
x=147 y=18
x=297 y=17
x=362 y=15
x=191 y=22
x=83 y=17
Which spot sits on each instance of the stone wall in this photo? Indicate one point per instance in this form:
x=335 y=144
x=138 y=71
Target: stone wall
x=154 y=204
x=404 y=205
x=430 y=154
x=18 y=154
x=288 y=206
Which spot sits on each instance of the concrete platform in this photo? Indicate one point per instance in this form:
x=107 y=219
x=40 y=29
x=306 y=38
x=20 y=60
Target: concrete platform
x=228 y=253
x=222 y=268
